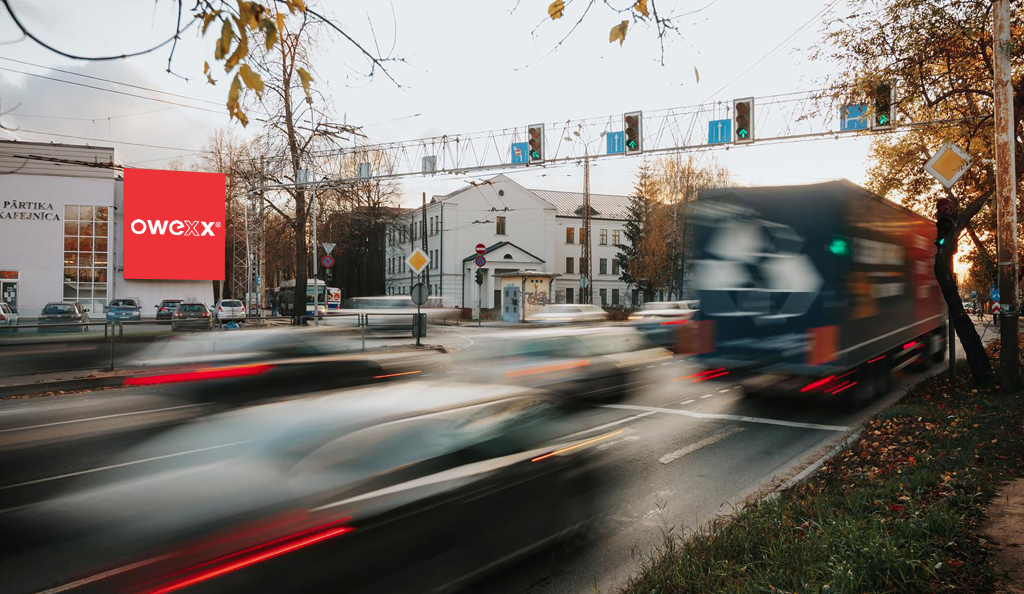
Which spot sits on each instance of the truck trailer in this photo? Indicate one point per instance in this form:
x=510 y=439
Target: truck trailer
x=817 y=290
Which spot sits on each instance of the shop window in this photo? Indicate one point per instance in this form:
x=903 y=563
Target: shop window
x=86 y=239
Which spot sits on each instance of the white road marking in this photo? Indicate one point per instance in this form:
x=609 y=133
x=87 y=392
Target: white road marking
x=105 y=574
x=100 y=418
x=721 y=417
x=650 y=367
x=607 y=425
x=606 y=445
x=691 y=400
x=453 y=371
x=706 y=396
x=693 y=447
x=122 y=465
x=667 y=363
x=427 y=374
x=723 y=391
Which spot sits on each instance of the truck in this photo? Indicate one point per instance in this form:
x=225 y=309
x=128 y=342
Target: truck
x=821 y=290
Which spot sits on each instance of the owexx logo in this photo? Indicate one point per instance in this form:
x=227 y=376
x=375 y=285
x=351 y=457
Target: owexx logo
x=173 y=225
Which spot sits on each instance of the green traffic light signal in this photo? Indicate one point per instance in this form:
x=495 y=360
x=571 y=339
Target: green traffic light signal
x=534 y=155
x=631 y=144
x=839 y=246
x=742 y=132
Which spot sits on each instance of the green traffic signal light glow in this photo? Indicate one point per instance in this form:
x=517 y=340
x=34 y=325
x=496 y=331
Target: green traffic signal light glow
x=883 y=119
x=631 y=144
x=534 y=155
x=742 y=132
x=839 y=246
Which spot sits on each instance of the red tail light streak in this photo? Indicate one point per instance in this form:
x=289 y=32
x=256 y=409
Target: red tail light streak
x=202 y=374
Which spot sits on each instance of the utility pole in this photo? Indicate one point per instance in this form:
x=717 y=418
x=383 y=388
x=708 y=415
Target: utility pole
x=423 y=210
x=316 y=246
x=586 y=267
x=263 y=243
x=1006 y=197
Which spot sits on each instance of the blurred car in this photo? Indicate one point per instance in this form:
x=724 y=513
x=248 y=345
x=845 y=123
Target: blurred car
x=120 y=310
x=660 y=320
x=8 y=317
x=414 y=488
x=191 y=316
x=72 y=317
x=237 y=368
x=592 y=364
x=165 y=311
x=568 y=312
x=229 y=309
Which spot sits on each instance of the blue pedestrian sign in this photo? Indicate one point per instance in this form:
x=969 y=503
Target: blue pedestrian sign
x=616 y=142
x=854 y=117
x=719 y=131
x=520 y=153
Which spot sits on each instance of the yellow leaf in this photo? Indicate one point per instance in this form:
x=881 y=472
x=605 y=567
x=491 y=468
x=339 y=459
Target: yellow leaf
x=206 y=71
x=251 y=79
x=618 y=33
x=224 y=43
x=641 y=7
x=555 y=9
x=269 y=32
x=207 y=19
x=240 y=52
x=306 y=79
x=300 y=4
x=234 y=106
x=696 y=74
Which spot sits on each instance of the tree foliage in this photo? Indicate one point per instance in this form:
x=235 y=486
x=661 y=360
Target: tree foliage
x=644 y=259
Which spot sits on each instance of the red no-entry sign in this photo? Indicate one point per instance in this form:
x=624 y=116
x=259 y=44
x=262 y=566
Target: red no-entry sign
x=481 y=248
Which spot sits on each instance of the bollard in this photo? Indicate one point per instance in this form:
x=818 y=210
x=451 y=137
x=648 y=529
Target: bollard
x=111 y=348
x=362 y=322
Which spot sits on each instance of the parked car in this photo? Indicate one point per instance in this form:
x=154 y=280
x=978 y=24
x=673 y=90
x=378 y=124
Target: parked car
x=8 y=317
x=229 y=309
x=121 y=310
x=569 y=312
x=65 y=314
x=165 y=311
x=191 y=316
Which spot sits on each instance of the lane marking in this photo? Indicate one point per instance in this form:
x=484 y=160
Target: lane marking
x=53 y=350
x=667 y=363
x=738 y=418
x=122 y=465
x=723 y=391
x=693 y=447
x=453 y=371
x=105 y=574
x=691 y=400
x=100 y=418
x=706 y=396
x=607 y=425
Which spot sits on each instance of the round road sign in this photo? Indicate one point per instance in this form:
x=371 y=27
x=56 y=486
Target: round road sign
x=480 y=261
x=327 y=261
x=419 y=294
x=481 y=248
x=584 y=282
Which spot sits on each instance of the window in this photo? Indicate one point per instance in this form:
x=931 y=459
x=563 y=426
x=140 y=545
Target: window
x=603 y=240
x=85 y=256
x=499 y=223
x=603 y=266
x=431 y=225
x=636 y=296
x=568 y=295
x=583 y=236
x=604 y=297
x=615 y=265
x=615 y=296
x=570 y=235
x=569 y=268
x=615 y=237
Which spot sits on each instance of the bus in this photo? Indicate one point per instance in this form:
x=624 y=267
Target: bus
x=286 y=297
x=333 y=298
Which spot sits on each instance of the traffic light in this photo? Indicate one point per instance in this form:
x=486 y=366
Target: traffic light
x=945 y=221
x=479 y=276
x=881 y=114
x=743 y=120
x=535 y=136
x=632 y=125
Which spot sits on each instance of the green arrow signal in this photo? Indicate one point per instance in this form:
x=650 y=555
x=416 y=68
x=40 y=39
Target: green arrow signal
x=631 y=144
x=534 y=155
x=883 y=119
x=742 y=132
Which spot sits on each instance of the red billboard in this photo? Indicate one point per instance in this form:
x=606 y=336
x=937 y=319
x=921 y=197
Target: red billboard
x=173 y=225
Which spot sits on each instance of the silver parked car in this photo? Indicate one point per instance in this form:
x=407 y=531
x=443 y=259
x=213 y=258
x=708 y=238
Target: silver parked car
x=72 y=317
x=229 y=309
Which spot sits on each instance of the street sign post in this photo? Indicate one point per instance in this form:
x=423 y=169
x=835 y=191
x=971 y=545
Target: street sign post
x=854 y=117
x=327 y=261
x=616 y=142
x=419 y=297
x=948 y=164
x=328 y=247
x=584 y=282
x=520 y=153
x=417 y=260
x=480 y=249
x=719 y=131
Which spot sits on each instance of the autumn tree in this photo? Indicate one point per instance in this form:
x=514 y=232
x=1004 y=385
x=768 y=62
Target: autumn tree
x=938 y=57
x=645 y=259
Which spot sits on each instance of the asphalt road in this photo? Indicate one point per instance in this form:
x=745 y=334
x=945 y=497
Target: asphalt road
x=687 y=451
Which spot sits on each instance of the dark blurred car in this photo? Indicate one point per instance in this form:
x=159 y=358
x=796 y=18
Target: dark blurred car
x=191 y=316
x=72 y=317
x=660 y=320
x=249 y=365
x=590 y=364
x=123 y=310
x=165 y=311
x=413 y=488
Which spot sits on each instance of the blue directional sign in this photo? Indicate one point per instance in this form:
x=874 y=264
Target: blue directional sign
x=994 y=295
x=616 y=142
x=854 y=117
x=719 y=131
x=974 y=294
x=520 y=153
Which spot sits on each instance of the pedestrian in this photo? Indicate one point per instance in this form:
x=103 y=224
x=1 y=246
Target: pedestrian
x=273 y=305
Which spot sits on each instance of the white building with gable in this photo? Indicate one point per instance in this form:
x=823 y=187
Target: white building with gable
x=520 y=229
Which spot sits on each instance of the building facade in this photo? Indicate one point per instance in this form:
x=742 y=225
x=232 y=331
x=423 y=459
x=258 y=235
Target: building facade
x=520 y=229
x=62 y=232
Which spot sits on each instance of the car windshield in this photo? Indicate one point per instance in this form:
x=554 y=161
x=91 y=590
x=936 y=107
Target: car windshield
x=232 y=303
x=122 y=303
x=58 y=308
x=193 y=307
x=170 y=303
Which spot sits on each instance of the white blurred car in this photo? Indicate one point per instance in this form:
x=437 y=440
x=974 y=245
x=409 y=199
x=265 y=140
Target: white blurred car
x=569 y=312
x=8 y=317
x=662 y=310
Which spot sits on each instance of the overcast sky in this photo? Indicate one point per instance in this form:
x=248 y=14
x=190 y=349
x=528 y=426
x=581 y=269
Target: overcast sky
x=470 y=66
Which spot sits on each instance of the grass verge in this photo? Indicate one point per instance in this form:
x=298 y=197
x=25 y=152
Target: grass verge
x=894 y=512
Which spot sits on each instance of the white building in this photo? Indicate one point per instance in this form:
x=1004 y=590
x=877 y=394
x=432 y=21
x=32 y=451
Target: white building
x=520 y=229
x=61 y=232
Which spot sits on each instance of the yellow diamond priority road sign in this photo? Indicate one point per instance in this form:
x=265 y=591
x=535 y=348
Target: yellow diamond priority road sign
x=948 y=164
x=417 y=260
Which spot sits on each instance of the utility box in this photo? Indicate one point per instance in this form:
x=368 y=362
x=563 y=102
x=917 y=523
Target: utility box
x=419 y=326
x=511 y=302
